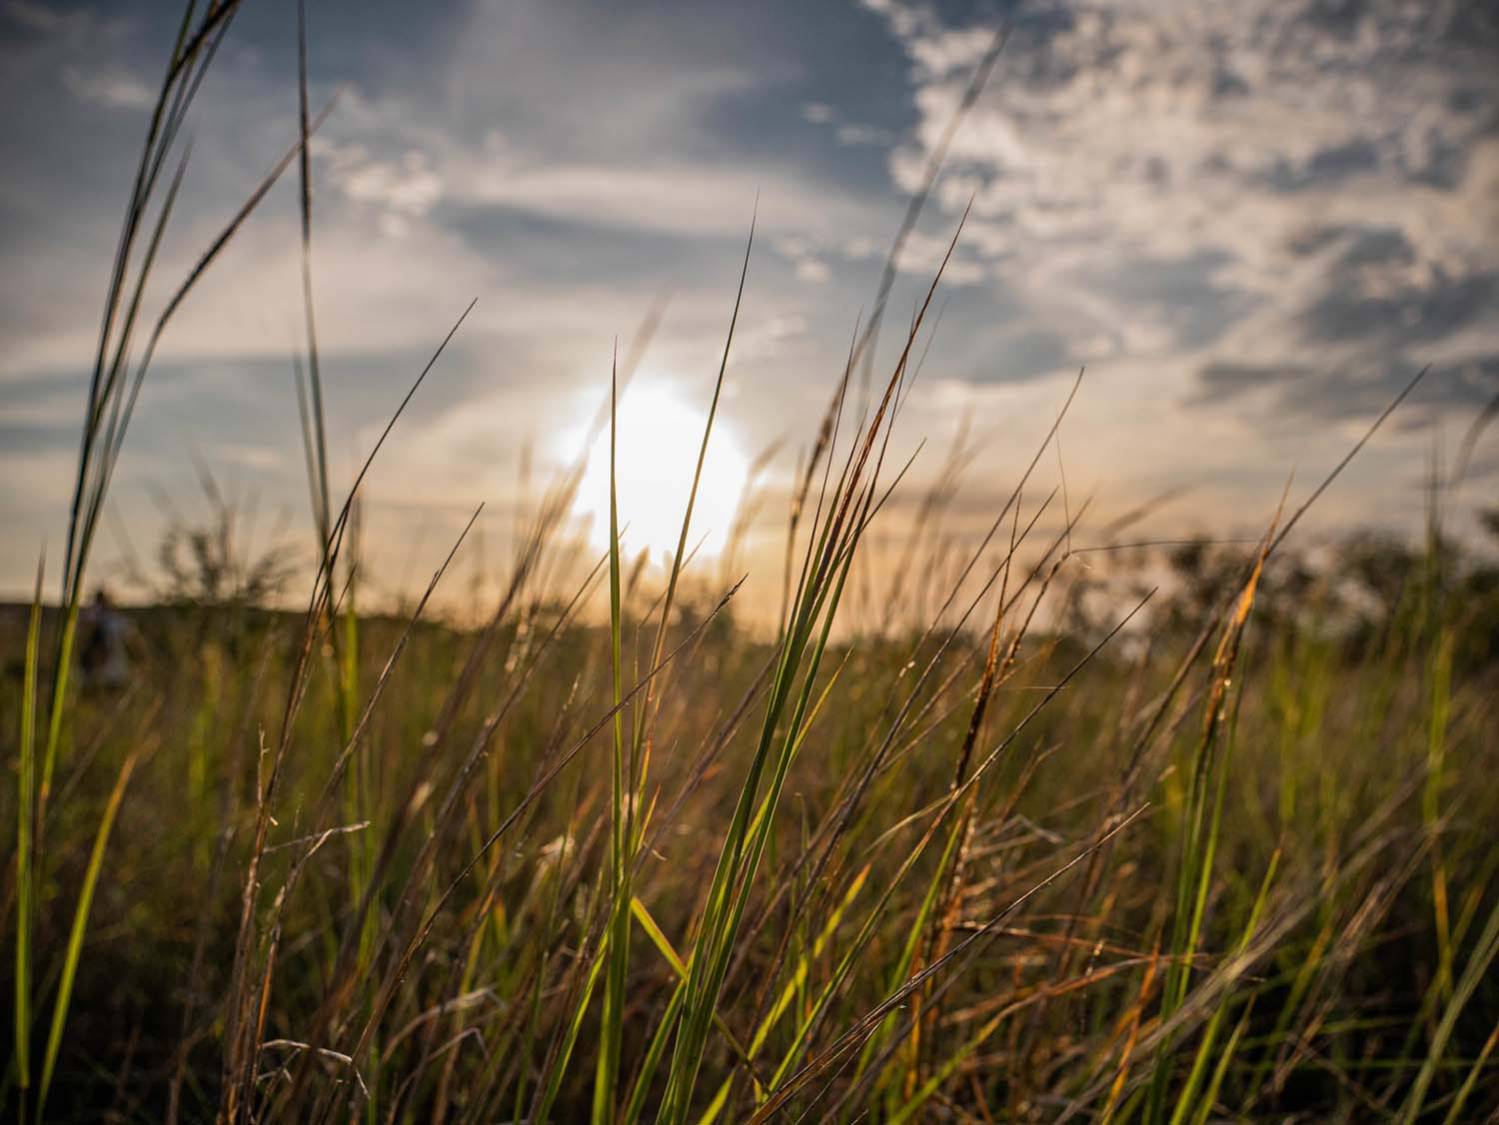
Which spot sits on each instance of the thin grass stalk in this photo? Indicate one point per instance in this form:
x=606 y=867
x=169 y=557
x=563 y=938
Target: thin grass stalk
x=1230 y=1051
x=641 y=745
x=1465 y=1091
x=743 y=848
x=817 y=599
x=74 y=949
x=1200 y=823
x=1484 y=951
x=1187 y=1098
x=915 y=1102
x=855 y=1034
x=611 y=1031
x=848 y=803
x=26 y=798
x=950 y=868
x=954 y=800
x=546 y=775
x=331 y=788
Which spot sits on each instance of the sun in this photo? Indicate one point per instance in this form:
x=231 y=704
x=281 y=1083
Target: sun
x=659 y=435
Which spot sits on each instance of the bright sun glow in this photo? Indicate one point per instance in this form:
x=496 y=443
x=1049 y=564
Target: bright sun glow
x=659 y=437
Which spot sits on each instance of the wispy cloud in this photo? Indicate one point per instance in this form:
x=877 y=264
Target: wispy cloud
x=110 y=89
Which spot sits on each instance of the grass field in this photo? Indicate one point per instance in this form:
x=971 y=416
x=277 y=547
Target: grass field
x=1185 y=834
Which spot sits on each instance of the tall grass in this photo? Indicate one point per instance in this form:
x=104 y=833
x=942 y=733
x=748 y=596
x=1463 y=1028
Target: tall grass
x=114 y=388
x=990 y=851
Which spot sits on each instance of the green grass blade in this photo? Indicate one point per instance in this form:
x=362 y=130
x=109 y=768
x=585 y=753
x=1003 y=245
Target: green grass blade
x=788 y=992
x=1479 y=961
x=570 y=1039
x=1459 y=1103
x=1187 y=1099
x=75 y=936
x=1230 y=1049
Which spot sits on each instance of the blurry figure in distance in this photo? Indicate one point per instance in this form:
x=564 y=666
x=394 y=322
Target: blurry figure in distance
x=109 y=640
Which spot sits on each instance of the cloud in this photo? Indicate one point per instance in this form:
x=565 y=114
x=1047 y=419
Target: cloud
x=404 y=185
x=1269 y=208
x=812 y=270
x=1352 y=392
x=863 y=135
x=661 y=197
x=1326 y=167
x=1183 y=298
x=110 y=89
x=846 y=132
x=1255 y=184
x=1026 y=354
x=29 y=436
x=1415 y=313
x=44 y=20
x=808 y=262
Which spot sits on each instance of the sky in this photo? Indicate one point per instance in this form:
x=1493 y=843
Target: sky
x=1250 y=222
